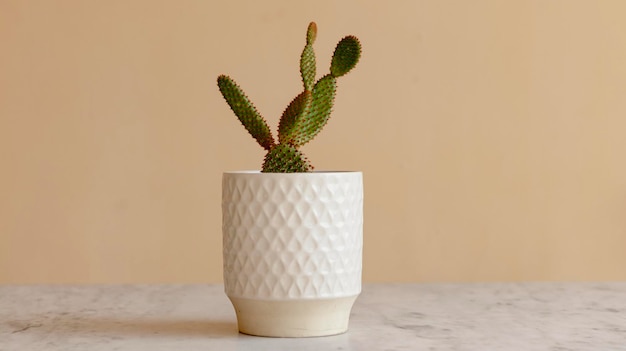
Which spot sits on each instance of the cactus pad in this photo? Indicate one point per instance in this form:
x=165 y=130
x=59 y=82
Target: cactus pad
x=346 y=56
x=307 y=67
x=321 y=107
x=246 y=112
x=290 y=121
x=311 y=33
x=284 y=158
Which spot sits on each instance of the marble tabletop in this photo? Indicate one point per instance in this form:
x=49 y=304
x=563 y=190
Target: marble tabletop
x=524 y=316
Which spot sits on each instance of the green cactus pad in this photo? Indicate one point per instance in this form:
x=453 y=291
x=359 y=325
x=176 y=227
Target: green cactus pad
x=307 y=67
x=346 y=56
x=284 y=158
x=311 y=33
x=317 y=117
x=299 y=107
x=307 y=59
x=243 y=108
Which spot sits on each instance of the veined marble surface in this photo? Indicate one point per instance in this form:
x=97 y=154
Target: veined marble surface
x=477 y=317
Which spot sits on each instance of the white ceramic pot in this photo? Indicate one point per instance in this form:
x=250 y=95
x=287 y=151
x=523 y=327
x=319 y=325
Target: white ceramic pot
x=292 y=250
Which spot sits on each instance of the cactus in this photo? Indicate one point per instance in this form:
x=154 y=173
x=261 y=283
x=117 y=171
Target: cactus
x=307 y=113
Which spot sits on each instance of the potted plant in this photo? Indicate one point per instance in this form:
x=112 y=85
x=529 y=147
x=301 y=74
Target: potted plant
x=293 y=238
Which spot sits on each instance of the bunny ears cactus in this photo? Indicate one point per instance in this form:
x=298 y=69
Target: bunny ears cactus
x=307 y=113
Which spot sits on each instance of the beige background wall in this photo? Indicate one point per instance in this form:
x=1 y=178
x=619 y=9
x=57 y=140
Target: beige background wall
x=491 y=134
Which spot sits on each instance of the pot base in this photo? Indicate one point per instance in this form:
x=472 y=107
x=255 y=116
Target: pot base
x=293 y=318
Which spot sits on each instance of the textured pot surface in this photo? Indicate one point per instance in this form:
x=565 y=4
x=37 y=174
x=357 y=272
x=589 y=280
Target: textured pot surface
x=292 y=243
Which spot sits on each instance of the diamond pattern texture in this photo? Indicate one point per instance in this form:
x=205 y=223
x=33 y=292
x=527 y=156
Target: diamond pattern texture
x=292 y=235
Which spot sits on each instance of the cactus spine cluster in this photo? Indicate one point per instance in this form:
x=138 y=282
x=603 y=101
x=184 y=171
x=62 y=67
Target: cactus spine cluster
x=307 y=113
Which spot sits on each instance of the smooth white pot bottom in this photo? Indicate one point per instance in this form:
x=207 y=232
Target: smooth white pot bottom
x=293 y=318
